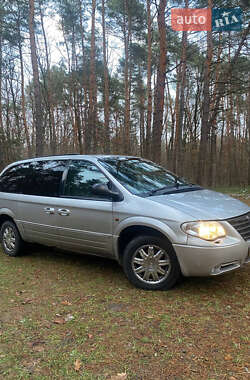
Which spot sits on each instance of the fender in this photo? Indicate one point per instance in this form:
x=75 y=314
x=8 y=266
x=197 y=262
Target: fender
x=142 y=221
x=8 y=212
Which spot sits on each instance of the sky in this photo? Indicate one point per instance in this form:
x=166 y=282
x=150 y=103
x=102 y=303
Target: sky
x=57 y=50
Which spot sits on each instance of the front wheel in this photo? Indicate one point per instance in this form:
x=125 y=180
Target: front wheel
x=150 y=263
x=11 y=240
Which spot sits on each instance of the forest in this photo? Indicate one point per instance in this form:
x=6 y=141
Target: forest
x=124 y=82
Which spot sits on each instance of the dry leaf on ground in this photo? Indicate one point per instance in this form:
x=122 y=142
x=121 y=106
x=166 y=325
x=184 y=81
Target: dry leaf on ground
x=59 y=321
x=119 y=376
x=26 y=301
x=38 y=346
x=69 y=317
x=77 y=365
x=66 y=303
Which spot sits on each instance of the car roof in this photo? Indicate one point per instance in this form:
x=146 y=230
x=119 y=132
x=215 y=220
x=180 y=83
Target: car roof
x=76 y=156
x=86 y=156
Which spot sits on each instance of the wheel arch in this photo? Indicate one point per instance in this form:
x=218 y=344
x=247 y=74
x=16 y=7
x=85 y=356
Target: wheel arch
x=6 y=214
x=136 y=229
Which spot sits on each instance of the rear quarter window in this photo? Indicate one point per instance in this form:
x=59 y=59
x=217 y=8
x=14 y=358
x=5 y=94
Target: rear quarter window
x=41 y=178
x=46 y=178
x=13 y=179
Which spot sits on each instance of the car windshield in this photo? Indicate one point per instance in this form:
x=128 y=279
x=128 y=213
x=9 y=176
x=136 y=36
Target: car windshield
x=142 y=177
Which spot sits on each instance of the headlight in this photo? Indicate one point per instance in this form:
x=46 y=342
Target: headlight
x=204 y=230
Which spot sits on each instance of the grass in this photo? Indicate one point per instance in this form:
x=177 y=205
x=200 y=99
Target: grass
x=59 y=309
x=241 y=191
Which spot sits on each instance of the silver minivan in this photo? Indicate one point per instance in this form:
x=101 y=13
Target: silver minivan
x=155 y=224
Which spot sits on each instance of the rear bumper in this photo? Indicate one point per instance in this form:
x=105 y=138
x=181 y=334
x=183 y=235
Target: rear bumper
x=212 y=261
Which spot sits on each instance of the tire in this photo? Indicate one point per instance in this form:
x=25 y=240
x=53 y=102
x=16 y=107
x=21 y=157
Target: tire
x=150 y=263
x=10 y=238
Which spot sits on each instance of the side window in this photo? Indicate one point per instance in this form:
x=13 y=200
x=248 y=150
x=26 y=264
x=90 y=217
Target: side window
x=82 y=175
x=46 y=178
x=34 y=178
x=13 y=180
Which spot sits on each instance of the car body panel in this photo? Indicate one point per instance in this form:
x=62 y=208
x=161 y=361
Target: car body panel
x=38 y=225
x=203 y=204
x=211 y=261
x=9 y=206
x=88 y=227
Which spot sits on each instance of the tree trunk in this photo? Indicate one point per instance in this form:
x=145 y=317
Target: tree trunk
x=16 y=131
x=50 y=107
x=177 y=118
x=213 y=126
x=225 y=75
x=106 y=84
x=160 y=84
x=126 y=36
x=203 y=151
x=77 y=119
x=92 y=128
x=26 y=131
x=179 y=125
x=84 y=81
x=248 y=130
x=149 y=85
x=37 y=91
x=178 y=164
x=2 y=135
x=141 y=112
x=170 y=145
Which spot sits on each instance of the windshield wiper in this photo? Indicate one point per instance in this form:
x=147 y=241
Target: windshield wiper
x=177 y=184
x=177 y=187
x=152 y=192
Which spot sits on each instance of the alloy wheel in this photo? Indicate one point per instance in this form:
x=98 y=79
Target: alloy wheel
x=9 y=238
x=151 y=264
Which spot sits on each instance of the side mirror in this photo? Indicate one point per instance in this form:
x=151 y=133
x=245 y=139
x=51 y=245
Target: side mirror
x=103 y=190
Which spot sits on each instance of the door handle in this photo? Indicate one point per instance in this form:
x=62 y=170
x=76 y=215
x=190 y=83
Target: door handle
x=49 y=210
x=63 y=211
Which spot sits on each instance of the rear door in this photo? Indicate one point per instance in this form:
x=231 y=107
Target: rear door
x=85 y=220
x=40 y=202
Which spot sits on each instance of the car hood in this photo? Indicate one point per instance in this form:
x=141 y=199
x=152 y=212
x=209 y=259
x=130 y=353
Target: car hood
x=203 y=204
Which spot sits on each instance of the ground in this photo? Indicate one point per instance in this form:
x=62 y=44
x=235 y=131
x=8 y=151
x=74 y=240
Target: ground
x=65 y=316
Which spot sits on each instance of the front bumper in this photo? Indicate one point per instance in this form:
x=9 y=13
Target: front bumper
x=212 y=261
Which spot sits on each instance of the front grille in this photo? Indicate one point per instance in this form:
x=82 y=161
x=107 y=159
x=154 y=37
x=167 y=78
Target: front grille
x=242 y=225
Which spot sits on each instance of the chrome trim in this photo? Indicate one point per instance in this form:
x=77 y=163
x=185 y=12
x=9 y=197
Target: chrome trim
x=49 y=210
x=241 y=224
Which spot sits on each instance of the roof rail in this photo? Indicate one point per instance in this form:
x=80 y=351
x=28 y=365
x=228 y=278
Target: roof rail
x=62 y=154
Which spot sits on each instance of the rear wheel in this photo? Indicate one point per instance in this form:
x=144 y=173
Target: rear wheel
x=150 y=263
x=11 y=240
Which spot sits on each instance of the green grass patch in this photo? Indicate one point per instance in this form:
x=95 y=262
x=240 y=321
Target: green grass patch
x=239 y=190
